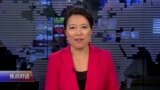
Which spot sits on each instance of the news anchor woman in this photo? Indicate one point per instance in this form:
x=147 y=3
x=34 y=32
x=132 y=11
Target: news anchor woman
x=80 y=66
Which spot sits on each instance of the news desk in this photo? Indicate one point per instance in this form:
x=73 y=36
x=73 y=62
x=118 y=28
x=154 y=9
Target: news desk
x=17 y=80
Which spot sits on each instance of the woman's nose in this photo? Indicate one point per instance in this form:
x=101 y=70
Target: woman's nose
x=78 y=31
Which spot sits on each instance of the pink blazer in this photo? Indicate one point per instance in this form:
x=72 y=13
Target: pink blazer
x=101 y=74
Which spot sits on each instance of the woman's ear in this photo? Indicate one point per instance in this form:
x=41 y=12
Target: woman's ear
x=91 y=31
x=65 y=32
x=91 y=35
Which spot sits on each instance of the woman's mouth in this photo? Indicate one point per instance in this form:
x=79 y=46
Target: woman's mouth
x=79 y=40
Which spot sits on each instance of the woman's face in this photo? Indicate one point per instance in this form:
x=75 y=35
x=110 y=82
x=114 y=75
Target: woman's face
x=78 y=31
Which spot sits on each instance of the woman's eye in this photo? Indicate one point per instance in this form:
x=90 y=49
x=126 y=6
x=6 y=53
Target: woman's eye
x=71 y=27
x=84 y=27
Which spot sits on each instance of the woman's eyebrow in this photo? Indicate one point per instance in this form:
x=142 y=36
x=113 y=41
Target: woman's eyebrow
x=85 y=24
x=71 y=25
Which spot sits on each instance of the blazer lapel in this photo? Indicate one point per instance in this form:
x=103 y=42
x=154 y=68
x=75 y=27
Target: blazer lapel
x=68 y=62
x=92 y=64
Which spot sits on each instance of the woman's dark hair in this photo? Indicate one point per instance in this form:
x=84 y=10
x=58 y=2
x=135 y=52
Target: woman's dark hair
x=78 y=11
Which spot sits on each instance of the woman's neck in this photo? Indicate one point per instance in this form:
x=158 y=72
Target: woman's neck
x=80 y=52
